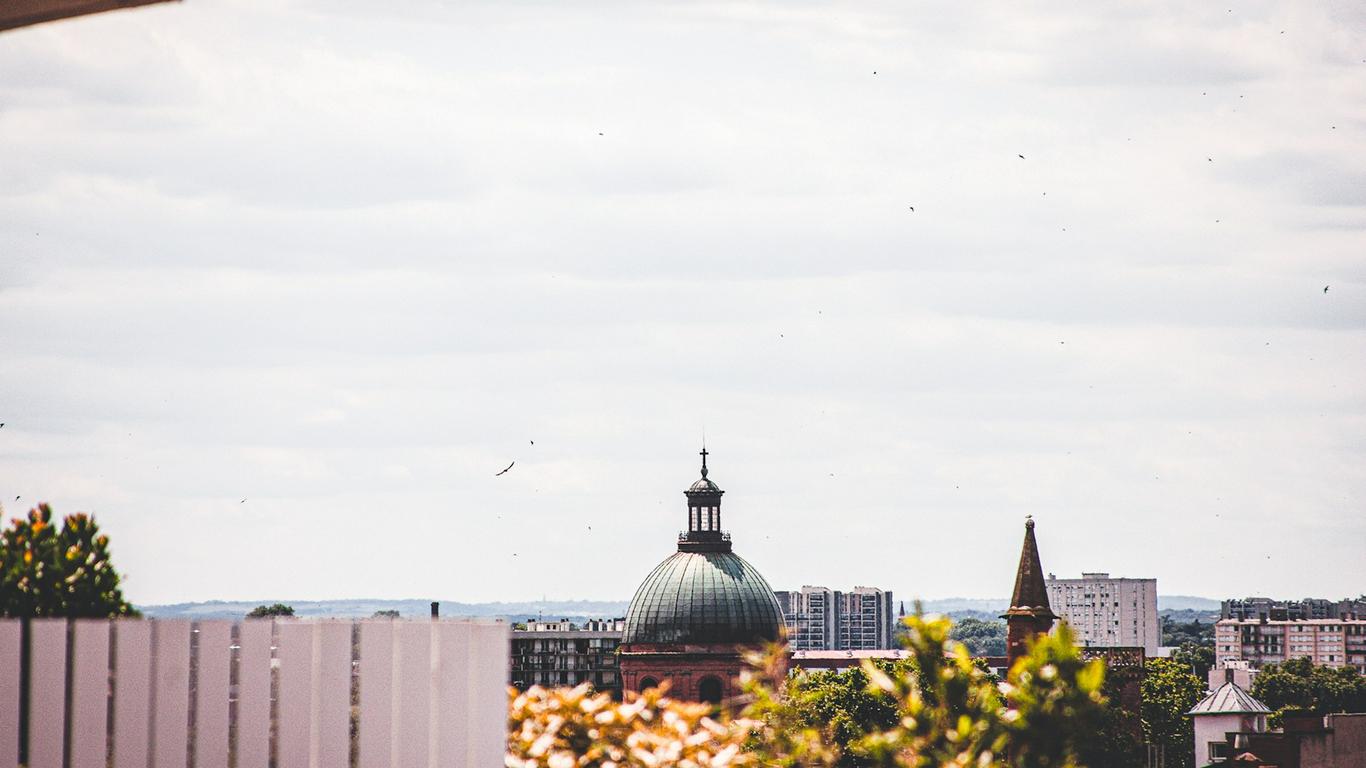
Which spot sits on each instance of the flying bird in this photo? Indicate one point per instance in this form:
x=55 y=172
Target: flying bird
x=533 y=442
x=1021 y=157
x=505 y=470
x=912 y=209
x=243 y=501
x=1325 y=290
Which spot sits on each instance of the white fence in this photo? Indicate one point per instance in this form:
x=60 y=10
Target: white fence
x=254 y=694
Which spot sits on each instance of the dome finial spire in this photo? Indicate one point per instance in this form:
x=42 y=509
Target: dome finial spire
x=703 y=454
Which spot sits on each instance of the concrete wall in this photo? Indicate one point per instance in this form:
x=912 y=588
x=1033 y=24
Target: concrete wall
x=1211 y=728
x=1343 y=745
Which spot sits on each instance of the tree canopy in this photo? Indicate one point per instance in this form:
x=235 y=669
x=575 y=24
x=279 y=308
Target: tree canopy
x=265 y=611
x=1298 y=685
x=1197 y=658
x=843 y=704
x=982 y=637
x=1175 y=633
x=1170 y=689
x=50 y=571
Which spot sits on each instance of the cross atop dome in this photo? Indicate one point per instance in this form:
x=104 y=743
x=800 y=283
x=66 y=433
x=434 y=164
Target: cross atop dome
x=703 y=454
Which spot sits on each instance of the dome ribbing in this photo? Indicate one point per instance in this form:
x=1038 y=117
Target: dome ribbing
x=703 y=597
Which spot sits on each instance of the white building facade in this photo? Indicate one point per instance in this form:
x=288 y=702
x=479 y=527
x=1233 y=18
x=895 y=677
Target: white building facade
x=1108 y=612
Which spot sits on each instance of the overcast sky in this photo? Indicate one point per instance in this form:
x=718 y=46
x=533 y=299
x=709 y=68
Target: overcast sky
x=346 y=260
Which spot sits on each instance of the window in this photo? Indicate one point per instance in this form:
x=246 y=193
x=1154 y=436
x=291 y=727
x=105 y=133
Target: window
x=647 y=683
x=709 y=689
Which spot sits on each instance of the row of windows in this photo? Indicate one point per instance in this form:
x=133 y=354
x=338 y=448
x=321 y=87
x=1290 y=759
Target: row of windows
x=704 y=519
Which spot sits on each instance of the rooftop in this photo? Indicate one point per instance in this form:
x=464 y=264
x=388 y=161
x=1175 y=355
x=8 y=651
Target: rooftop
x=1229 y=699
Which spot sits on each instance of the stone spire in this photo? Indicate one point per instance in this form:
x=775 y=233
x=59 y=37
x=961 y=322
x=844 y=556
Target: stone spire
x=1029 y=613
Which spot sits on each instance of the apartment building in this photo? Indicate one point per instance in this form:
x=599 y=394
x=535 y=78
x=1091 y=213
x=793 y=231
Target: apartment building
x=561 y=653
x=1292 y=610
x=1326 y=642
x=1107 y=611
x=823 y=619
x=810 y=618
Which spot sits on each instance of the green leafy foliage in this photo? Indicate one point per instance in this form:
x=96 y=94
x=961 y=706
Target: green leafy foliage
x=265 y=611
x=1298 y=685
x=844 y=705
x=51 y=571
x=1177 y=633
x=1170 y=689
x=937 y=709
x=1117 y=740
x=1197 y=658
x=385 y=614
x=982 y=637
x=946 y=710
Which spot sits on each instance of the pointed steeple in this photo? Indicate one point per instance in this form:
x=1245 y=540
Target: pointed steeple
x=1030 y=597
x=1029 y=614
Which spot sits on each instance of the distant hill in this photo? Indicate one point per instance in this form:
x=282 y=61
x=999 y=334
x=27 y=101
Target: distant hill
x=351 y=609
x=954 y=605
x=1186 y=603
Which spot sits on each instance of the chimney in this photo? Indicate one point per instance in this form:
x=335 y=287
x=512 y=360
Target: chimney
x=436 y=609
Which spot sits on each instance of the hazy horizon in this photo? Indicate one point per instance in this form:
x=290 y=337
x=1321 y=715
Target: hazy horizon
x=285 y=285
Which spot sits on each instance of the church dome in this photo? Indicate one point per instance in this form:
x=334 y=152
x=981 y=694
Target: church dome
x=703 y=597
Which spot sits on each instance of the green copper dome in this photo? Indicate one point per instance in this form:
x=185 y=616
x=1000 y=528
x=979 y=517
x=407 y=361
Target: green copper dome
x=703 y=597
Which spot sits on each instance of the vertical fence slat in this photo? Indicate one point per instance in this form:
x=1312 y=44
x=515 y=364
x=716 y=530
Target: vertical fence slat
x=294 y=716
x=211 y=695
x=253 y=694
x=376 y=693
x=334 y=695
x=171 y=711
x=452 y=694
x=47 y=693
x=90 y=694
x=414 y=646
x=132 y=692
x=10 y=639
x=488 y=706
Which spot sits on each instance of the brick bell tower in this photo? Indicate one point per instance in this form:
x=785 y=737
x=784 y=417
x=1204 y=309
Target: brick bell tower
x=1029 y=614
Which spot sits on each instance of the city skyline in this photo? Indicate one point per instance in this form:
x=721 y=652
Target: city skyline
x=285 y=288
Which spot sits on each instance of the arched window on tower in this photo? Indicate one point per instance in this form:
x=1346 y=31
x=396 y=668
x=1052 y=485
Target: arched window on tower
x=646 y=683
x=709 y=689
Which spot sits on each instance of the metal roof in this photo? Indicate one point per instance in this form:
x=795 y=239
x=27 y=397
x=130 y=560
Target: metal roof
x=703 y=597
x=1228 y=700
